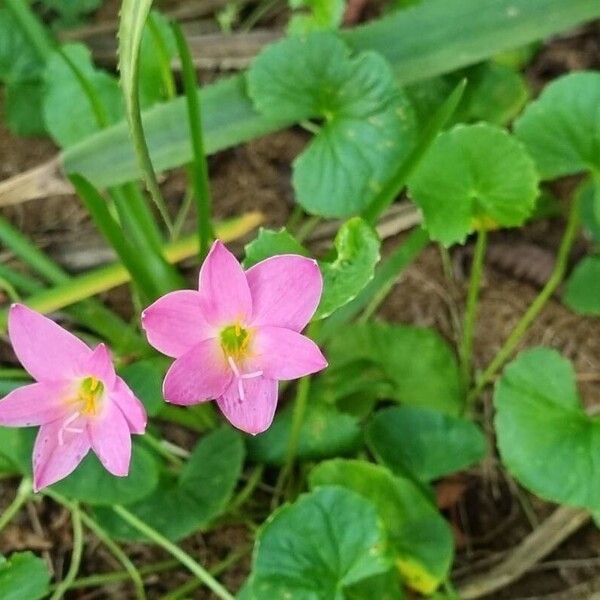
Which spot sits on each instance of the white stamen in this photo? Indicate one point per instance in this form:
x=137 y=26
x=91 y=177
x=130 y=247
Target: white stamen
x=65 y=427
x=241 y=390
x=251 y=375
x=233 y=366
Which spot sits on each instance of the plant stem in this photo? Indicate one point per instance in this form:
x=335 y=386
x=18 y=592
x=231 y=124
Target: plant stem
x=199 y=168
x=160 y=448
x=185 y=559
x=534 y=308
x=23 y=494
x=248 y=489
x=466 y=344
x=119 y=576
x=307 y=227
x=190 y=586
x=65 y=584
x=298 y=414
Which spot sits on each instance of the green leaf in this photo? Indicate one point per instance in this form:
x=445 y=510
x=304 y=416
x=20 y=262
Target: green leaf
x=357 y=247
x=145 y=378
x=270 y=243
x=368 y=126
x=200 y=493
x=68 y=12
x=420 y=537
x=424 y=443
x=312 y=549
x=93 y=484
x=475 y=31
x=357 y=252
x=325 y=432
x=23 y=576
x=315 y=15
x=474 y=177
x=417 y=364
x=582 y=290
x=561 y=129
x=23 y=105
x=385 y=586
x=16 y=446
x=590 y=217
x=18 y=58
x=545 y=438
x=63 y=88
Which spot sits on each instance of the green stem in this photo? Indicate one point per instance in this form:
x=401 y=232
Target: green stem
x=159 y=447
x=185 y=559
x=466 y=345
x=9 y=290
x=307 y=228
x=188 y=587
x=534 y=308
x=199 y=168
x=65 y=584
x=31 y=27
x=23 y=494
x=248 y=489
x=119 y=576
x=298 y=414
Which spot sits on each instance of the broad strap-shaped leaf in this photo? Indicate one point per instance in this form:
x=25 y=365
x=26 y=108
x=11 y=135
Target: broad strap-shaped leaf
x=416 y=365
x=420 y=537
x=367 y=123
x=93 y=484
x=311 y=550
x=63 y=88
x=325 y=432
x=23 y=576
x=561 y=129
x=546 y=439
x=474 y=177
x=424 y=443
x=181 y=505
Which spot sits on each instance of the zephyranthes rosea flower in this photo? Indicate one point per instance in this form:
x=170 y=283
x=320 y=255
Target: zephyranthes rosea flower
x=239 y=334
x=78 y=400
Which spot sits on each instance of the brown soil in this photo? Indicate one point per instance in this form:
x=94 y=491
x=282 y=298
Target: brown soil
x=489 y=512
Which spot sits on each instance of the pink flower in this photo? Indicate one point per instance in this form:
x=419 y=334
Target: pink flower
x=238 y=335
x=78 y=400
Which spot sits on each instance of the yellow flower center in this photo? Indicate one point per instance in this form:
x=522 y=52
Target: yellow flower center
x=89 y=396
x=235 y=341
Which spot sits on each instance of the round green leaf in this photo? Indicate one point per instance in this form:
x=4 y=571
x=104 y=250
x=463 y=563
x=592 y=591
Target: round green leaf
x=145 y=380
x=412 y=365
x=270 y=243
x=367 y=123
x=420 y=537
x=314 y=548
x=474 y=177
x=545 y=438
x=561 y=129
x=357 y=247
x=424 y=443
x=93 y=484
x=582 y=291
x=23 y=576
x=325 y=432
x=200 y=493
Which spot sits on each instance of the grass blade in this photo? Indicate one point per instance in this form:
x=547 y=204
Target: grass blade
x=198 y=168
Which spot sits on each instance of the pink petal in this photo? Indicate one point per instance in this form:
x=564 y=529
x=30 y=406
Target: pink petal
x=46 y=350
x=200 y=374
x=133 y=410
x=253 y=414
x=284 y=354
x=285 y=291
x=34 y=404
x=225 y=294
x=111 y=439
x=100 y=365
x=174 y=323
x=53 y=461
